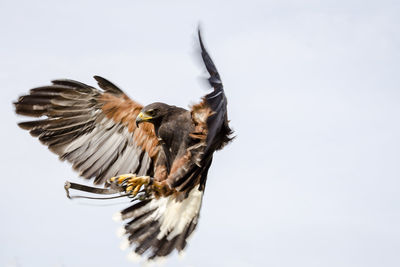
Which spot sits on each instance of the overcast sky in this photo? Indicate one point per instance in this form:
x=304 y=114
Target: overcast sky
x=312 y=178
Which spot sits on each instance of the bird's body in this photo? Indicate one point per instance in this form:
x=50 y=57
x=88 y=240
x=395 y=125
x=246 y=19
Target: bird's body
x=159 y=150
x=174 y=140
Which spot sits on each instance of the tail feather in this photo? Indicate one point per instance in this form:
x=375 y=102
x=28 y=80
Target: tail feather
x=160 y=225
x=147 y=240
x=134 y=211
x=165 y=249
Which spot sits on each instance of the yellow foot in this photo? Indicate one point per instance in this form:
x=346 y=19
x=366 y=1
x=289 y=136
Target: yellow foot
x=131 y=182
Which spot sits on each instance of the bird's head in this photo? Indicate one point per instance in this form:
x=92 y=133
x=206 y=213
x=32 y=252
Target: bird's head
x=152 y=113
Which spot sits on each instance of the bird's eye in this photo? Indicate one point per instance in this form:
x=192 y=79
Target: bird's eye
x=151 y=112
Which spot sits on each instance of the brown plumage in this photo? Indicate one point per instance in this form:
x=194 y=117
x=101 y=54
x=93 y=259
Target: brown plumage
x=103 y=133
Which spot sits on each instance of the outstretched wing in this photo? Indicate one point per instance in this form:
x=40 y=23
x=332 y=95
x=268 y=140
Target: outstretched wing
x=212 y=132
x=93 y=129
x=219 y=132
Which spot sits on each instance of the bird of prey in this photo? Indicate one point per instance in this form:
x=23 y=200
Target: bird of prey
x=157 y=156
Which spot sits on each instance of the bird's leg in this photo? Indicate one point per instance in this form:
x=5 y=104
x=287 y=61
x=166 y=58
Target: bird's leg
x=161 y=188
x=130 y=182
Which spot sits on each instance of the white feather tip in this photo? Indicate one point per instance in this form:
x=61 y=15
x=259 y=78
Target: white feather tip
x=124 y=244
x=117 y=217
x=181 y=255
x=134 y=257
x=121 y=231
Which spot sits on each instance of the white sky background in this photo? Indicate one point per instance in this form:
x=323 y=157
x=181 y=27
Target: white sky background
x=313 y=176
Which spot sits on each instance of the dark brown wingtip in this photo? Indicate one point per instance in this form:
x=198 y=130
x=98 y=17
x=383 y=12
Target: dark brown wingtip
x=214 y=79
x=107 y=85
x=25 y=125
x=200 y=37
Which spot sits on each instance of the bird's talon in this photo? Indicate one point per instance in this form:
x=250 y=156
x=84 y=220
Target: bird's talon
x=136 y=190
x=120 y=179
x=129 y=188
x=130 y=182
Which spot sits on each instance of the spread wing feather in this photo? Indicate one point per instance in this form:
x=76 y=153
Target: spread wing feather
x=94 y=129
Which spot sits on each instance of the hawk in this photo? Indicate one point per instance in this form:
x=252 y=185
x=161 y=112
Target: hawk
x=157 y=155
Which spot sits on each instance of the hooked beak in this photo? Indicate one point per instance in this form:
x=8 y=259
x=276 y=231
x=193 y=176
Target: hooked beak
x=141 y=118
